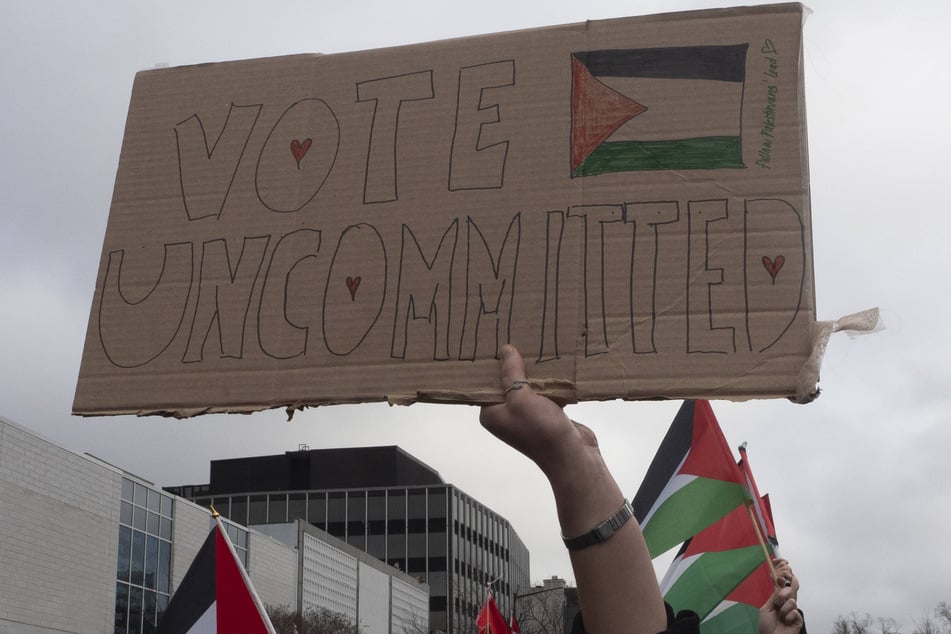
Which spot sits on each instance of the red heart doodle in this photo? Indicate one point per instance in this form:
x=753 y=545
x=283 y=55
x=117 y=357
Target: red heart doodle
x=353 y=283
x=299 y=149
x=773 y=266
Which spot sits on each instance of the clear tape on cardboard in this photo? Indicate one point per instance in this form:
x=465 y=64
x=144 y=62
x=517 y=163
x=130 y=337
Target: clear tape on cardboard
x=861 y=323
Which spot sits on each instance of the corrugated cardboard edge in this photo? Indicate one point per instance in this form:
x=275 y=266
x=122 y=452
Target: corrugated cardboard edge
x=558 y=390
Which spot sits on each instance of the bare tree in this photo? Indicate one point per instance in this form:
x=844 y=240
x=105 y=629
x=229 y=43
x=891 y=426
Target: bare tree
x=840 y=626
x=316 y=621
x=927 y=625
x=940 y=624
x=943 y=612
x=853 y=624
x=888 y=625
x=542 y=611
x=415 y=626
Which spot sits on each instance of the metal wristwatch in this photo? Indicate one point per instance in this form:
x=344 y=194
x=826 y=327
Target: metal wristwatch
x=603 y=531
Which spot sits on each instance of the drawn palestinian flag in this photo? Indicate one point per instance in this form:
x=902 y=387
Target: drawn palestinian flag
x=676 y=108
x=691 y=483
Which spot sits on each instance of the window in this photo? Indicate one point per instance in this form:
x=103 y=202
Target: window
x=239 y=539
x=296 y=506
x=239 y=510
x=277 y=508
x=144 y=558
x=417 y=504
x=356 y=519
x=317 y=510
x=257 y=509
x=337 y=514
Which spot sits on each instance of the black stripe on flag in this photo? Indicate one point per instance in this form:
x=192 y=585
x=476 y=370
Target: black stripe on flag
x=719 y=63
x=675 y=445
x=195 y=593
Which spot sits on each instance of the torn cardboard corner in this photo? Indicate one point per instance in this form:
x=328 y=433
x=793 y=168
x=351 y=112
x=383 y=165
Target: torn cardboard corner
x=863 y=322
x=625 y=200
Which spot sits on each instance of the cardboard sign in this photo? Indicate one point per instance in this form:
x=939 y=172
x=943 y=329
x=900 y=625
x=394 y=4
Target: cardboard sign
x=624 y=200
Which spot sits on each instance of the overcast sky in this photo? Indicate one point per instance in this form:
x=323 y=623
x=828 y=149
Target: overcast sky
x=860 y=480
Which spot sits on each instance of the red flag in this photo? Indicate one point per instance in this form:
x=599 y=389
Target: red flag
x=216 y=594
x=764 y=514
x=490 y=620
x=513 y=625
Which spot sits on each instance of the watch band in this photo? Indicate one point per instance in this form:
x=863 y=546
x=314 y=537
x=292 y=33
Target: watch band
x=603 y=531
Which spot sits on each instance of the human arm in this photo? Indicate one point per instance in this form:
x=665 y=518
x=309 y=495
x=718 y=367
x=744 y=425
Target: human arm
x=617 y=587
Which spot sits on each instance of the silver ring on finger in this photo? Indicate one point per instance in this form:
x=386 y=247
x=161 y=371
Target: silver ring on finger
x=516 y=385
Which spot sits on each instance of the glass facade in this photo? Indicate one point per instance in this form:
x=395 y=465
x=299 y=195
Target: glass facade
x=143 y=580
x=239 y=539
x=145 y=556
x=434 y=533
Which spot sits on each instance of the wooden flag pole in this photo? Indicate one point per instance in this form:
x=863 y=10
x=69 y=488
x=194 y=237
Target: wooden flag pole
x=762 y=541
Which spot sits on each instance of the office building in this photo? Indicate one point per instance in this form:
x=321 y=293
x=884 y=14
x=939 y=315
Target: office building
x=88 y=547
x=387 y=503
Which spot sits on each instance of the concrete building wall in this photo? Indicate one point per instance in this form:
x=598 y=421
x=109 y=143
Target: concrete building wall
x=189 y=531
x=59 y=518
x=330 y=579
x=273 y=570
x=410 y=609
x=374 y=597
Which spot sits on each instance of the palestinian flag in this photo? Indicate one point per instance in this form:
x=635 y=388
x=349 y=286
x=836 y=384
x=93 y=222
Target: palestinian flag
x=675 y=108
x=215 y=595
x=738 y=613
x=691 y=483
x=713 y=563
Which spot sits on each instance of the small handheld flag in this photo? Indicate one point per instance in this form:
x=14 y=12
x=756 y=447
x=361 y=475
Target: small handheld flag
x=216 y=595
x=691 y=483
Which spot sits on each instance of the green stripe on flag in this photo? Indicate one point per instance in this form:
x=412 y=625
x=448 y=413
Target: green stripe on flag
x=711 y=577
x=700 y=153
x=739 y=618
x=689 y=510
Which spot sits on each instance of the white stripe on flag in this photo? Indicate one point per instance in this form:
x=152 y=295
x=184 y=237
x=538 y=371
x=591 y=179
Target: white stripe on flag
x=674 y=110
x=723 y=606
x=674 y=572
x=673 y=485
x=208 y=622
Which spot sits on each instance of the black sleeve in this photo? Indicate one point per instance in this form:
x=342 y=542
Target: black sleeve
x=686 y=622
